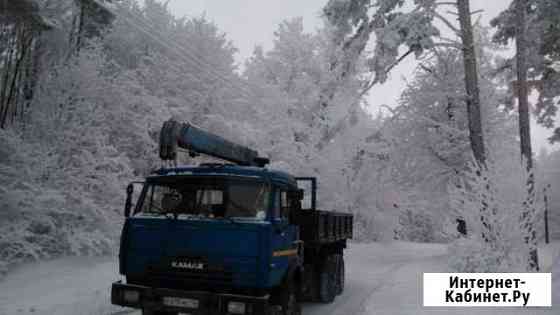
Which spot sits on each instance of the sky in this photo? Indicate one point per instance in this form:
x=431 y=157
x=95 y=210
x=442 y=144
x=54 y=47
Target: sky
x=248 y=23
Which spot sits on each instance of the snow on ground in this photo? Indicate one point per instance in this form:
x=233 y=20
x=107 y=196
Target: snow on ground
x=401 y=291
x=548 y=255
x=382 y=278
x=68 y=286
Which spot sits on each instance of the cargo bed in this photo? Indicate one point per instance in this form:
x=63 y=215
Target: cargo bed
x=320 y=227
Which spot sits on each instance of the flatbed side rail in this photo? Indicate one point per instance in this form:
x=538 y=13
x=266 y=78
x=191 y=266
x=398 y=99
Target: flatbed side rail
x=321 y=226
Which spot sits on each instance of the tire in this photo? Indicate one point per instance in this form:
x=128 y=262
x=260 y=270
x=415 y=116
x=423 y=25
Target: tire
x=327 y=280
x=341 y=274
x=338 y=285
x=337 y=279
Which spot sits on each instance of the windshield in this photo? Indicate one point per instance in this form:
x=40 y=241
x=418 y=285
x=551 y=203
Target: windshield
x=205 y=198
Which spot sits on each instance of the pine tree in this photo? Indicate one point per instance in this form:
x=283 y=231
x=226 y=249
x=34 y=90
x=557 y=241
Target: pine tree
x=543 y=59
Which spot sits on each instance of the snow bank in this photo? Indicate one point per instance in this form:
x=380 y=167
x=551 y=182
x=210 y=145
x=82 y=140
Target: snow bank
x=66 y=286
x=548 y=255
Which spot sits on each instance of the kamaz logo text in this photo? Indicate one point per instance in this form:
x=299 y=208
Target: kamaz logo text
x=187 y=265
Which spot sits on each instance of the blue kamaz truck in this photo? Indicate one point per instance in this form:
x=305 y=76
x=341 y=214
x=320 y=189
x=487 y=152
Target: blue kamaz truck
x=226 y=238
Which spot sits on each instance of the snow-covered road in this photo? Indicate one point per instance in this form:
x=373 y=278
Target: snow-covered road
x=382 y=278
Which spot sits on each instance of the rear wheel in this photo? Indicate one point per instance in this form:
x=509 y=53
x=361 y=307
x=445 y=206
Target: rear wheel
x=340 y=275
x=327 y=280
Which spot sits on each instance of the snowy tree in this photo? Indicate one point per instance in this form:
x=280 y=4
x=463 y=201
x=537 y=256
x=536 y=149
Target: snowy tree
x=306 y=138
x=415 y=226
x=543 y=59
x=94 y=126
x=530 y=46
x=38 y=34
x=428 y=130
x=64 y=197
x=499 y=245
x=548 y=173
x=394 y=26
x=294 y=68
x=472 y=89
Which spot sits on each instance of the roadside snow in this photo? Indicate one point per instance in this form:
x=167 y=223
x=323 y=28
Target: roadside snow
x=382 y=278
x=401 y=291
x=68 y=286
x=548 y=255
x=369 y=270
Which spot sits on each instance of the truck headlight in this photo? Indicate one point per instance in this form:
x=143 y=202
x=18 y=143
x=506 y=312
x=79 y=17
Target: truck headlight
x=130 y=296
x=236 y=307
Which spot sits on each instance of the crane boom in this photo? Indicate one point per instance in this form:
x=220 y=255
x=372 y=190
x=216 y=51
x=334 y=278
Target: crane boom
x=196 y=140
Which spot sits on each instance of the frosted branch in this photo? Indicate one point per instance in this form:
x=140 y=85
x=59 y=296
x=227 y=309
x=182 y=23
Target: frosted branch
x=447 y=23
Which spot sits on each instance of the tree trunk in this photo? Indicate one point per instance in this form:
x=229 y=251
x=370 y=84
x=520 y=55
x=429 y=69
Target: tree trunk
x=8 y=62
x=80 y=31
x=11 y=101
x=471 y=83
x=524 y=125
x=473 y=113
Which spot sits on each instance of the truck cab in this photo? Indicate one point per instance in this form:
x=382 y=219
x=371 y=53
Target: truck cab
x=227 y=239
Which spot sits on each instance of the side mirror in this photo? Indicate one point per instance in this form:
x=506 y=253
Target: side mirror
x=128 y=203
x=309 y=185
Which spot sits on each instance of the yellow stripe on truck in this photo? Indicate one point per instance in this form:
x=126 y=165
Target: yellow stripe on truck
x=287 y=252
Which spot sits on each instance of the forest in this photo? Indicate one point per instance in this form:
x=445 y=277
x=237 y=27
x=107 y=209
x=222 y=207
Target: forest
x=85 y=86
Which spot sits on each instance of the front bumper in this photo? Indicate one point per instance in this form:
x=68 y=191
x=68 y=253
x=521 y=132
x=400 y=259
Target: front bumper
x=208 y=303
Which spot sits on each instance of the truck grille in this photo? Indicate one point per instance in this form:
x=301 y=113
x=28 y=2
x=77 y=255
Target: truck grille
x=172 y=279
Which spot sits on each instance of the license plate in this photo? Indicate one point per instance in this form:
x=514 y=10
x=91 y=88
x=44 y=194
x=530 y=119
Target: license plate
x=180 y=302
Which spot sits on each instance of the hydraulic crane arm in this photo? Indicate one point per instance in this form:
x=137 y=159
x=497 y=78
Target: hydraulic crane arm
x=187 y=136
